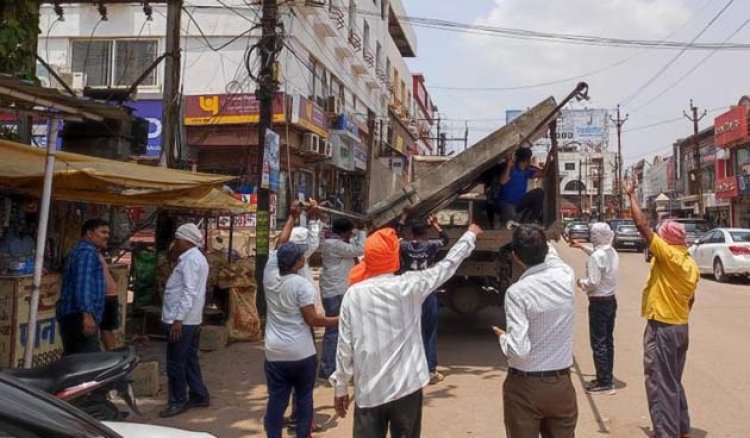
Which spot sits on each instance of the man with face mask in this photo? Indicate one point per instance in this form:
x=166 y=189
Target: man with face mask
x=600 y=284
x=538 y=395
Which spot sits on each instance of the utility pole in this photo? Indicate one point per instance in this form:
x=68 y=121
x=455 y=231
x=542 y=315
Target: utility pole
x=697 y=152
x=438 y=136
x=618 y=186
x=580 y=188
x=441 y=144
x=466 y=135
x=267 y=87
x=171 y=100
x=601 y=187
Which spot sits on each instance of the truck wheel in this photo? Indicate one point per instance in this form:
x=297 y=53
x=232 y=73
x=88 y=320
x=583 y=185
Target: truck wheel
x=465 y=299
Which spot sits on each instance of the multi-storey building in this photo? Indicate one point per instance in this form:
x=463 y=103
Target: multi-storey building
x=345 y=101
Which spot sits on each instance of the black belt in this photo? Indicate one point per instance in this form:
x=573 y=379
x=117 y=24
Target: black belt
x=607 y=298
x=556 y=373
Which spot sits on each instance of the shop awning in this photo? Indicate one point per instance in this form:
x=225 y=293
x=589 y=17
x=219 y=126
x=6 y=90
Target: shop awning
x=92 y=179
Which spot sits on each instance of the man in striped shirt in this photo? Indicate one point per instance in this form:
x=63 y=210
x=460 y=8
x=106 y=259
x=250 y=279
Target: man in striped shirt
x=380 y=340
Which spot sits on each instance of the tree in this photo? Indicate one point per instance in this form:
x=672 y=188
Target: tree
x=19 y=28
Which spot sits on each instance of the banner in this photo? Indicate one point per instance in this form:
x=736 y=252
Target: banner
x=271 y=162
x=150 y=110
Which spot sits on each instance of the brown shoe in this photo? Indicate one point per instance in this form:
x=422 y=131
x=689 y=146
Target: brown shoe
x=436 y=377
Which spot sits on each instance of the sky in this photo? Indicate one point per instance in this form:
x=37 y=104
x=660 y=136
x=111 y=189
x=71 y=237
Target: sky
x=451 y=59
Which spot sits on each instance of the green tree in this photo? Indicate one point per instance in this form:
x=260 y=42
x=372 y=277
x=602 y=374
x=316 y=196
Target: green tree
x=19 y=28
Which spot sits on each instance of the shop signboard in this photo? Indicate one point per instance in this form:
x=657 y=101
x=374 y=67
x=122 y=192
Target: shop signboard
x=229 y=109
x=726 y=188
x=150 y=110
x=308 y=115
x=271 y=162
x=731 y=127
x=743 y=183
x=346 y=123
x=360 y=158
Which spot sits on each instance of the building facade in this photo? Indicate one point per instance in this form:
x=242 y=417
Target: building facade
x=732 y=140
x=345 y=105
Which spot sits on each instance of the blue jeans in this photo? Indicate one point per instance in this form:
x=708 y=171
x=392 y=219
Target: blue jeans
x=332 y=306
x=184 y=369
x=602 y=314
x=281 y=378
x=430 y=316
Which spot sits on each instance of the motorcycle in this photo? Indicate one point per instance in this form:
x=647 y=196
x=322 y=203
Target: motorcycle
x=86 y=380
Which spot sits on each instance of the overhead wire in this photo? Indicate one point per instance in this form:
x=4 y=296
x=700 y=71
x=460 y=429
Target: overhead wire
x=674 y=59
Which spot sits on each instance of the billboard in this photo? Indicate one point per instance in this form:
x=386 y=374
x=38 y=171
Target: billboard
x=150 y=110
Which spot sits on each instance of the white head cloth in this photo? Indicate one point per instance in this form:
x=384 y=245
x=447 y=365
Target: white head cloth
x=190 y=233
x=299 y=235
x=601 y=234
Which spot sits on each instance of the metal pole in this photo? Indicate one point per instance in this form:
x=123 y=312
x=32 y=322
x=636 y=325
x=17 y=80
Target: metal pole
x=41 y=240
x=618 y=185
x=267 y=86
x=170 y=109
x=580 y=188
x=697 y=152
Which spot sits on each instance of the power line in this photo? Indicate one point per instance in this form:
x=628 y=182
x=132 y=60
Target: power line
x=674 y=59
x=689 y=72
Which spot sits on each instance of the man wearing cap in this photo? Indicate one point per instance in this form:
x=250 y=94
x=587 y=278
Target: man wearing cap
x=182 y=315
x=291 y=360
x=667 y=300
x=380 y=337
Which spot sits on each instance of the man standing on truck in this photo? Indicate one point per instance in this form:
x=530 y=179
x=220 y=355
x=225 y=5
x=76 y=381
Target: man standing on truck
x=667 y=300
x=512 y=202
x=600 y=284
x=380 y=342
x=418 y=254
x=538 y=394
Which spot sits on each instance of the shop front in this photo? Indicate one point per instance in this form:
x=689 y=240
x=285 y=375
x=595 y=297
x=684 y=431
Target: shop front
x=348 y=164
x=732 y=140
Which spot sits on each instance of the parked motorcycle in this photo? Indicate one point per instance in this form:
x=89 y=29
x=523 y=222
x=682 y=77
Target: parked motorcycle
x=86 y=380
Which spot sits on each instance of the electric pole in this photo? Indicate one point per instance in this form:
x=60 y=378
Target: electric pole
x=601 y=187
x=171 y=101
x=466 y=135
x=267 y=87
x=618 y=186
x=580 y=188
x=697 y=152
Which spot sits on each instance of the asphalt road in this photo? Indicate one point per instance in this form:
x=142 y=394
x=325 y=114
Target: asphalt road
x=469 y=403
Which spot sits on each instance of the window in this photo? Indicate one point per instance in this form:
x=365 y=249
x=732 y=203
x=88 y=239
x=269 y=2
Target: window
x=352 y=16
x=384 y=9
x=570 y=166
x=596 y=183
x=112 y=63
x=378 y=56
x=366 y=39
x=319 y=84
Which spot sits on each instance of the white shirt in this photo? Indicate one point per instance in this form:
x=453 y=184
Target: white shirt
x=601 y=271
x=313 y=240
x=338 y=259
x=185 y=291
x=380 y=338
x=288 y=337
x=540 y=313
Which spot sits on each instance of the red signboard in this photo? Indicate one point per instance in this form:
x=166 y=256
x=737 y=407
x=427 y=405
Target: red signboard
x=727 y=188
x=731 y=127
x=228 y=109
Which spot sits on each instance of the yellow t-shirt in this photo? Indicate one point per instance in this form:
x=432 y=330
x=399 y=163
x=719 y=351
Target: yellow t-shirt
x=671 y=284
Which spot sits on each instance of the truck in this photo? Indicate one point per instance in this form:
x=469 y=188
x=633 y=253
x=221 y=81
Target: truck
x=451 y=188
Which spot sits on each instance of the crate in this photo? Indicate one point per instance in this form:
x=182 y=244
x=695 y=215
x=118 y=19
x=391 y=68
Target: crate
x=146 y=379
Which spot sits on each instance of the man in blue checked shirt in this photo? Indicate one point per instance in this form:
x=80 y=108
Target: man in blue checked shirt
x=81 y=304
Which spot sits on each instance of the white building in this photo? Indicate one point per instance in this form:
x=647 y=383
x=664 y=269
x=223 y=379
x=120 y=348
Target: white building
x=344 y=81
x=587 y=177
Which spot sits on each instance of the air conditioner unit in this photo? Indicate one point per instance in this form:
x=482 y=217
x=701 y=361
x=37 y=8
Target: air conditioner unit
x=328 y=151
x=311 y=144
x=79 y=81
x=333 y=105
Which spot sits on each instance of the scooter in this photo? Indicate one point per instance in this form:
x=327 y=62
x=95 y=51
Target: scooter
x=86 y=380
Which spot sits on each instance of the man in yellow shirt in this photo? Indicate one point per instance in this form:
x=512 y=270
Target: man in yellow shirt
x=667 y=301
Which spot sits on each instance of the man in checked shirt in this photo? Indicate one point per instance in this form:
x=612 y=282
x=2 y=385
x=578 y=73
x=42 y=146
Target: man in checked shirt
x=538 y=395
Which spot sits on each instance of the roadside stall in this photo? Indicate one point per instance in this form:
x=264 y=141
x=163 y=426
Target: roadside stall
x=83 y=187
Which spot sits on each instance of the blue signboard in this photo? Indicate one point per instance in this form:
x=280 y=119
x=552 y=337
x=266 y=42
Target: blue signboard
x=744 y=183
x=150 y=110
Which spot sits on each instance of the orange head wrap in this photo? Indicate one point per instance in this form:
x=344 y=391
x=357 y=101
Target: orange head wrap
x=381 y=256
x=672 y=232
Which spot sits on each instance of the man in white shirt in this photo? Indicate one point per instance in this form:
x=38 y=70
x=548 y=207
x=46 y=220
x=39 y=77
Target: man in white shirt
x=339 y=250
x=600 y=284
x=380 y=337
x=291 y=359
x=538 y=395
x=182 y=315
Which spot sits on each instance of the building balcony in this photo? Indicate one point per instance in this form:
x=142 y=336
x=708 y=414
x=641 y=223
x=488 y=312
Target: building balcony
x=400 y=30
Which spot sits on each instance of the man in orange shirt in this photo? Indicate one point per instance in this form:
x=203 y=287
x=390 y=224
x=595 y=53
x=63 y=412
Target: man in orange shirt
x=667 y=300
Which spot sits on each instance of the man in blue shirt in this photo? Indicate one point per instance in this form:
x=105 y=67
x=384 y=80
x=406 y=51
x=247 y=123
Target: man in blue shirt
x=81 y=304
x=512 y=201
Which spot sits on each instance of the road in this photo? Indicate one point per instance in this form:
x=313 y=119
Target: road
x=468 y=403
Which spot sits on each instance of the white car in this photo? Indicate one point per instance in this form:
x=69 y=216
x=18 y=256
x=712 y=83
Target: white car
x=723 y=252
x=136 y=430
